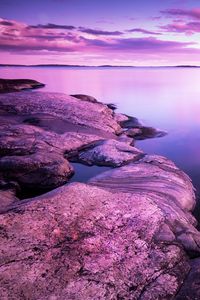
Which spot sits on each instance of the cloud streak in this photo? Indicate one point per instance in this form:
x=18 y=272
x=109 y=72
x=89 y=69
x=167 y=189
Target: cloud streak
x=192 y=13
x=52 y=26
x=99 y=32
x=144 y=31
x=180 y=27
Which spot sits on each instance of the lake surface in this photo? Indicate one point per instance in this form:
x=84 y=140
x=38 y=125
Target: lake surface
x=165 y=98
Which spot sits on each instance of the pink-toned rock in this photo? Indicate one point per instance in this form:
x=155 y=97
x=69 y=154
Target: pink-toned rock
x=61 y=106
x=110 y=153
x=114 y=238
x=15 y=85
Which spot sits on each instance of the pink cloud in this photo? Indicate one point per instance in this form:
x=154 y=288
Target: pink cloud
x=188 y=28
x=17 y=38
x=193 y=13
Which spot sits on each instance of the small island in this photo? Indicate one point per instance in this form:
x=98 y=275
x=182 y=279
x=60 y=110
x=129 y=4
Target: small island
x=127 y=233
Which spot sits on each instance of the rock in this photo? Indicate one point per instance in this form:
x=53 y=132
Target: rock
x=190 y=289
x=34 y=157
x=130 y=123
x=85 y=98
x=109 y=153
x=112 y=106
x=142 y=133
x=126 y=234
x=93 y=100
x=39 y=171
x=62 y=107
x=119 y=118
x=156 y=175
x=134 y=132
x=115 y=238
x=125 y=139
x=14 y=85
x=7 y=198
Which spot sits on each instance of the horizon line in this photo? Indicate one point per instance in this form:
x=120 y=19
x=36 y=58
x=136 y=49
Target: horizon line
x=98 y=66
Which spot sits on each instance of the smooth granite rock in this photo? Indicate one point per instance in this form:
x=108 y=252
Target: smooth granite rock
x=172 y=190
x=109 y=153
x=115 y=238
x=61 y=106
x=15 y=85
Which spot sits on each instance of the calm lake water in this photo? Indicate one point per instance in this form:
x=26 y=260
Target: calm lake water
x=165 y=98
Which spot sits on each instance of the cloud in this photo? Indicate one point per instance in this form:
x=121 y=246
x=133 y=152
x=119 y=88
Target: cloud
x=138 y=45
x=144 y=31
x=52 y=26
x=188 y=28
x=193 y=13
x=6 y=23
x=20 y=38
x=99 y=32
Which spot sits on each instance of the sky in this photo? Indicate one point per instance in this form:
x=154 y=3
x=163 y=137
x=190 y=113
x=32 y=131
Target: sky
x=100 y=32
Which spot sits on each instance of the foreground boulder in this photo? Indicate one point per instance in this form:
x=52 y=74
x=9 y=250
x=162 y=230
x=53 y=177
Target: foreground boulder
x=15 y=85
x=120 y=240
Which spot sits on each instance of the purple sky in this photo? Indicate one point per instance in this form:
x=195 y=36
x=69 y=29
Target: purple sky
x=94 y=32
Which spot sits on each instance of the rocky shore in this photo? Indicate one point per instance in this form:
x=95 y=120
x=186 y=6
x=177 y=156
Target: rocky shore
x=127 y=233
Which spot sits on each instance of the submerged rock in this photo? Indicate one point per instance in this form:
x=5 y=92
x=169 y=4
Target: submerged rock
x=142 y=133
x=15 y=85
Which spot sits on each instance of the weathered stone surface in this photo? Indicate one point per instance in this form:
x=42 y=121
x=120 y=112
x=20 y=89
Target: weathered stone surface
x=120 y=117
x=110 y=153
x=172 y=190
x=61 y=106
x=83 y=242
x=14 y=85
x=190 y=289
x=34 y=157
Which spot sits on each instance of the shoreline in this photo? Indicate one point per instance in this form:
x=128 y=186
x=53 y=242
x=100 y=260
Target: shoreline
x=99 y=223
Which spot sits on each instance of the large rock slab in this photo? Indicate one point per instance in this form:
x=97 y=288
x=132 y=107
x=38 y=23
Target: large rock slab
x=61 y=106
x=111 y=239
x=83 y=242
x=172 y=190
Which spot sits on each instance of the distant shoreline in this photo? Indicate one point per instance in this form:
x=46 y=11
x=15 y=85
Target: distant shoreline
x=101 y=66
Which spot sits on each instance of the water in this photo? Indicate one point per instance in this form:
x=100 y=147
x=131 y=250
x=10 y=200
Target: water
x=166 y=98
